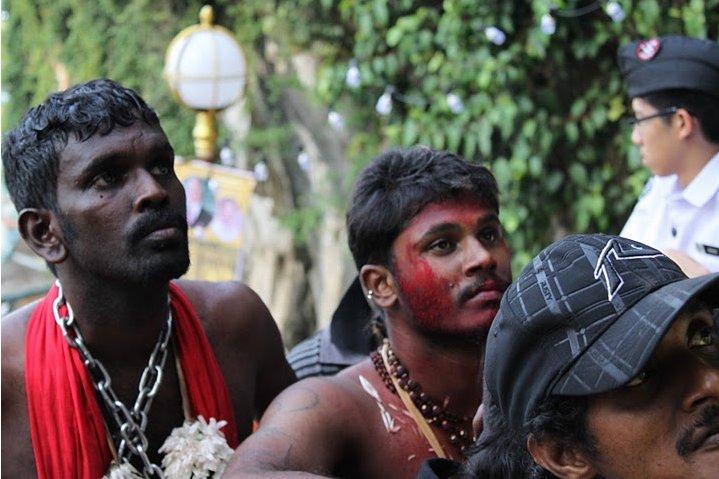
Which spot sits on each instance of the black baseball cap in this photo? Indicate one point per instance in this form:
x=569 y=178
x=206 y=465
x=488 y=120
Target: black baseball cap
x=583 y=318
x=668 y=63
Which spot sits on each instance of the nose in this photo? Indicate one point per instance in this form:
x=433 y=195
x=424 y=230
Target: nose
x=149 y=192
x=702 y=384
x=478 y=258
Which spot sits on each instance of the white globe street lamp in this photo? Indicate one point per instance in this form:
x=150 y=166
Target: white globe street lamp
x=206 y=71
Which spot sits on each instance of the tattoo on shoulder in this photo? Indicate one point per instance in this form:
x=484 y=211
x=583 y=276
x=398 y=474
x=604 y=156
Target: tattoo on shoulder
x=303 y=399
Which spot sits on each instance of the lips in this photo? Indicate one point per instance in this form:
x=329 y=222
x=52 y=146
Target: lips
x=159 y=225
x=484 y=291
x=703 y=435
x=164 y=233
x=709 y=438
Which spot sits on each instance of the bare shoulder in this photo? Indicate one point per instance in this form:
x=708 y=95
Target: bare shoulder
x=334 y=399
x=234 y=317
x=331 y=410
x=312 y=426
x=246 y=342
x=224 y=305
x=14 y=327
x=17 y=454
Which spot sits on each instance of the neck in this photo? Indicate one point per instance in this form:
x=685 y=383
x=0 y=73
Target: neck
x=696 y=158
x=449 y=368
x=113 y=316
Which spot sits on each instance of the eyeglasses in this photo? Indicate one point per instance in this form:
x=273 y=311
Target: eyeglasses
x=667 y=111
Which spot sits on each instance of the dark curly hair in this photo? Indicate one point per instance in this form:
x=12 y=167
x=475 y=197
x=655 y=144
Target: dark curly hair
x=396 y=185
x=501 y=453
x=31 y=150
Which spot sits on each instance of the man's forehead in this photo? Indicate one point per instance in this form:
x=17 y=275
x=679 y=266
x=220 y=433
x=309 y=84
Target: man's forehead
x=449 y=210
x=640 y=104
x=121 y=141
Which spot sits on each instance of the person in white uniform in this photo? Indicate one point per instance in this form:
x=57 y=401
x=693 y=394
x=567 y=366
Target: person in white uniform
x=673 y=82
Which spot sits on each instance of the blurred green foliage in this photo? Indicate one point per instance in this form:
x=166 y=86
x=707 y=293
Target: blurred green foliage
x=543 y=111
x=44 y=41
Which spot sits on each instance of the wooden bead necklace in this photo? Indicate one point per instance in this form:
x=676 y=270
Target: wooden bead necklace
x=458 y=427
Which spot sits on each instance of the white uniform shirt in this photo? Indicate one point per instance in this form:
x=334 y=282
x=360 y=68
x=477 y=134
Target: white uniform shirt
x=667 y=217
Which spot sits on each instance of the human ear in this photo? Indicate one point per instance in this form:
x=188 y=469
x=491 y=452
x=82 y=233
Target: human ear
x=40 y=231
x=562 y=461
x=378 y=285
x=687 y=124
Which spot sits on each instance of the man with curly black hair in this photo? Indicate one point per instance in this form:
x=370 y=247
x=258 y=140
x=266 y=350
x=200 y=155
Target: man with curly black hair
x=119 y=366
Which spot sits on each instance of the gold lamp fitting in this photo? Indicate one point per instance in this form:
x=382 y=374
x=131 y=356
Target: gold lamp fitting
x=205 y=135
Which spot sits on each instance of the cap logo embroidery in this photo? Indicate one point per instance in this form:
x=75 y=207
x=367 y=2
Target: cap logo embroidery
x=609 y=265
x=648 y=49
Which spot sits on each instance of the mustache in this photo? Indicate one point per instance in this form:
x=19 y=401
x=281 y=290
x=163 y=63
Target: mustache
x=154 y=220
x=690 y=440
x=483 y=282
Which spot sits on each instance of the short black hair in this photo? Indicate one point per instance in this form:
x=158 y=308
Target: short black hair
x=396 y=185
x=564 y=420
x=31 y=150
x=501 y=452
x=703 y=107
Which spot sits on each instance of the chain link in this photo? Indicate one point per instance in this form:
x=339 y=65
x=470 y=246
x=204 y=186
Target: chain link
x=131 y=424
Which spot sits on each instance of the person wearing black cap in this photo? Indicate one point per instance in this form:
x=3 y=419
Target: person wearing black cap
x=673 y=82
x=604 y=360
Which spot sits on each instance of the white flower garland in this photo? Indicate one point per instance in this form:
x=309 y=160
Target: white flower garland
x=195 y=450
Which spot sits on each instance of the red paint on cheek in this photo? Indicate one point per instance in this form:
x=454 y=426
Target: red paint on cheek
x=427 y=295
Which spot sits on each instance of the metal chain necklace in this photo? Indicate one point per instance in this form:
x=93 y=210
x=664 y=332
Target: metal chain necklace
x=131 y=424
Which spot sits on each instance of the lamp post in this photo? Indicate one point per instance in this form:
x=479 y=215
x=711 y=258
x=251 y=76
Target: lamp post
x=206 y=72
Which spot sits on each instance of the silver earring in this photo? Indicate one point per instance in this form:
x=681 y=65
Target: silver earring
x=369 y=294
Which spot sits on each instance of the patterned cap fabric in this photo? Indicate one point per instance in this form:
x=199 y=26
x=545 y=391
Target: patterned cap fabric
x=671 y=62
x=583 y=318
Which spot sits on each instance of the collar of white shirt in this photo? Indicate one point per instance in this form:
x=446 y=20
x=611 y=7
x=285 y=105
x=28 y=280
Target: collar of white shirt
x=705 y=185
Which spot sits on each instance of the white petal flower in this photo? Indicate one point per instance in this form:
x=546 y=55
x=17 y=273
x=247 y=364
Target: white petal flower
x=196 y=450
x=122 y=471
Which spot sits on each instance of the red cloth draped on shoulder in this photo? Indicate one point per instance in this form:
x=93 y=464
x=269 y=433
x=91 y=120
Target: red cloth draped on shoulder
x=66 y=424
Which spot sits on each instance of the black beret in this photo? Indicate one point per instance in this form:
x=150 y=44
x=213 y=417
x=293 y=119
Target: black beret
x=668 y=63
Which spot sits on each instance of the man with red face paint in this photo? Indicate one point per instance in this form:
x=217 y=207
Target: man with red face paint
x=425 y=235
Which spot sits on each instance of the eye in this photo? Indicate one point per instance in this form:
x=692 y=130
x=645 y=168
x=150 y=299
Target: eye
x=443 y=245
x=161 y=170
x=639 y=379
x=106 y=179
x=702 y=337
x=490 y=235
